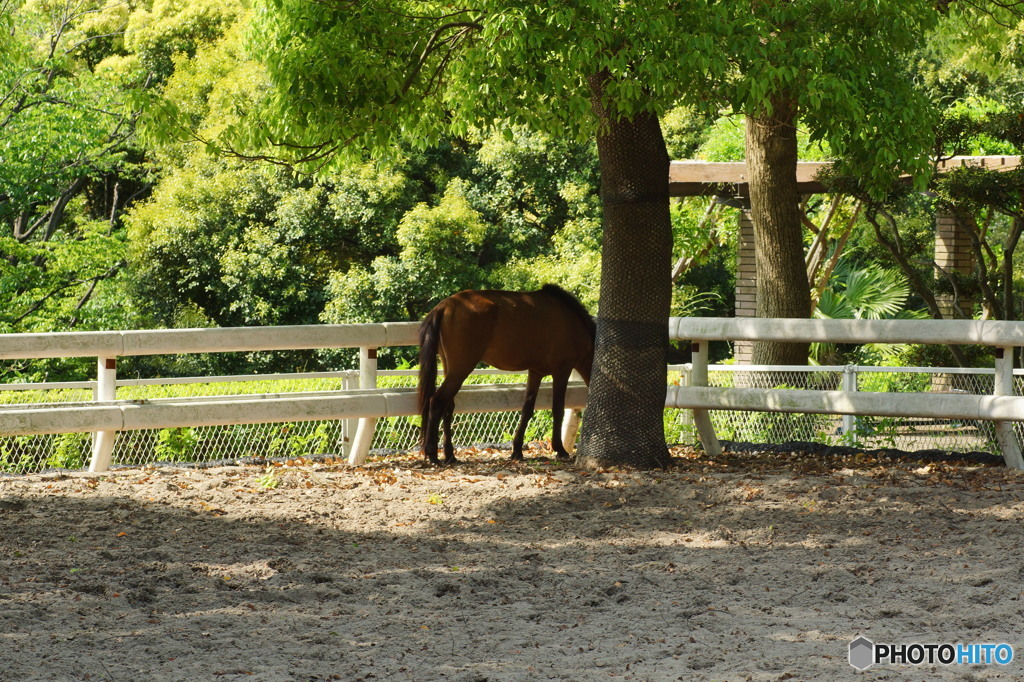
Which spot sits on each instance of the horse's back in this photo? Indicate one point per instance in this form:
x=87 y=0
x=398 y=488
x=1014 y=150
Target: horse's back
x=513 y=330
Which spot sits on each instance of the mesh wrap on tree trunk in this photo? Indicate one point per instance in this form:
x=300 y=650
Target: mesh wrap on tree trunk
x=624 y=422
x=616 y=411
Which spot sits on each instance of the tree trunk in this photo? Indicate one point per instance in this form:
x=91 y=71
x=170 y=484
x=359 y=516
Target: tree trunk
x=782 y=287
x=624 y=423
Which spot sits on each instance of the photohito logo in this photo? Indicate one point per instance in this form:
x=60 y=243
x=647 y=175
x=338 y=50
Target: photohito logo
x=864 y=653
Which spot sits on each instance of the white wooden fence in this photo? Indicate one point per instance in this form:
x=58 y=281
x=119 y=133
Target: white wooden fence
x=1002 y=407
x=105 y=416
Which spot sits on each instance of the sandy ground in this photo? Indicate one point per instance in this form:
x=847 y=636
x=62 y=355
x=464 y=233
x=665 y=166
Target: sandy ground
x=755 y=566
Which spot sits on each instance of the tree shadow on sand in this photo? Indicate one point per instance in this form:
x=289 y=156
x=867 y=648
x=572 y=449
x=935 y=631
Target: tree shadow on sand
x=679 y=575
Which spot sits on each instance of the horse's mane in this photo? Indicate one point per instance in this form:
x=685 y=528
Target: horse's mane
x=573 y=304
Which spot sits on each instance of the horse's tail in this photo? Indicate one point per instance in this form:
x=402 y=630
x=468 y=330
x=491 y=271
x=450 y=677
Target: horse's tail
x=430 y=338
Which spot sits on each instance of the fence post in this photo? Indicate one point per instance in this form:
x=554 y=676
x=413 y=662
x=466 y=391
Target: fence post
x=850 y=420
x=364 y=432
x=685 y=419
x=701 y=417
x=1005 y=435
x=348 y=430
x=106 y=390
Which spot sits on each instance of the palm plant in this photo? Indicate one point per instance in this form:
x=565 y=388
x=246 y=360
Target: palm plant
x=870 y=292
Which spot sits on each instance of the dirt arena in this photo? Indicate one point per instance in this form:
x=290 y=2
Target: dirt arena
x=754 y=566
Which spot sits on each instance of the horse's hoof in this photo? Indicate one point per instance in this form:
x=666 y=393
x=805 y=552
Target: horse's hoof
x=448 y=461
x=563 y=457
x=516 y=457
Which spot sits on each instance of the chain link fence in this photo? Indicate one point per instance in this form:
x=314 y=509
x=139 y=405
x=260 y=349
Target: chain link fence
x=29 y=454
x=207 y=444
x=858 y=431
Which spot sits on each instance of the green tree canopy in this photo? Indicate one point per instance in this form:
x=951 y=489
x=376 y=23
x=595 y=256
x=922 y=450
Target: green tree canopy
x=846 y=67
x=839 y=69
x=382 y=73
x=66 y=167
x=378 y=74
x=224 y=242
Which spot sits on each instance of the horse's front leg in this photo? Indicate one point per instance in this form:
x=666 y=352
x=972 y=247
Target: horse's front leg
x=532 y=386
x=558 y=386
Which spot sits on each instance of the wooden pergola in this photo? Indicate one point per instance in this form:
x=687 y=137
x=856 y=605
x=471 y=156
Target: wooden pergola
x=728 y=181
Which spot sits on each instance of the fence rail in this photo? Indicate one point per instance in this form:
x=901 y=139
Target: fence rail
x=217 y=340
x=361 y=402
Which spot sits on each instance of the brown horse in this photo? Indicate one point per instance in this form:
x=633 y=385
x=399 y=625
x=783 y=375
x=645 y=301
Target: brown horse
x=546 y=332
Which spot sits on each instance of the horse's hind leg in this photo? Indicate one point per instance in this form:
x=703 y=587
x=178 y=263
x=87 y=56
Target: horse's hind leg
x=442 y=405
x=532 y=386
x=430 y=435
x=437 y=404
x=446 y=421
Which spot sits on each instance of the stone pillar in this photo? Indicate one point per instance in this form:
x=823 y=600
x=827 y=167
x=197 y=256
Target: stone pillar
x=952 y=254
x=746 y=283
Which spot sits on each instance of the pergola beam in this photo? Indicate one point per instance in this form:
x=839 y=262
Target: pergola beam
x=704 y=178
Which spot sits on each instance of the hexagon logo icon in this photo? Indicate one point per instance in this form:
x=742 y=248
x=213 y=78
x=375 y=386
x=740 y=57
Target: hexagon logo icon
x=862 y=653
